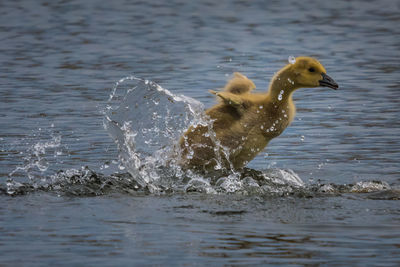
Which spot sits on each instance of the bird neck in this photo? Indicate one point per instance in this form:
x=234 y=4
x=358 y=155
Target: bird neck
x=282 y=86
x=280 y=92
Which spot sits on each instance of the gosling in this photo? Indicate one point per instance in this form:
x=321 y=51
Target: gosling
x=242 y=123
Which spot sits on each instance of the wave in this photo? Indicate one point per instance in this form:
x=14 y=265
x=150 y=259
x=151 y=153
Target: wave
x=268 y=183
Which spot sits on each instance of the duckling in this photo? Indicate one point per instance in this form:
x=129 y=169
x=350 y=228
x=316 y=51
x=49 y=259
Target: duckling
x=243 y=123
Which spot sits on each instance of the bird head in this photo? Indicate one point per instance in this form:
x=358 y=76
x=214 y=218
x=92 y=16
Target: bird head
x=309 y=72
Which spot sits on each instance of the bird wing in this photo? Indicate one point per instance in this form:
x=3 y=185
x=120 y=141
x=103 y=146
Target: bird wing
x=229 y=98
x=239 y=84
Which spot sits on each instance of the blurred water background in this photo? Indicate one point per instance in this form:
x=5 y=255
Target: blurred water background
x=332 y=179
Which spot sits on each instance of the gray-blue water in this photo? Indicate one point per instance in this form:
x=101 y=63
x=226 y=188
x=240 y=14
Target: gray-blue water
x=68 y=198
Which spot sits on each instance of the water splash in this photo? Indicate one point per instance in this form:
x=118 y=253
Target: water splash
x=280 y=96
x=76 y=182
x=368 y=187
x=44 y=150
x=84 y=182
x=146 y=122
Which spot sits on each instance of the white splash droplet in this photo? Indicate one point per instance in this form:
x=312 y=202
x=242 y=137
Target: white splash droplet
x=292 y=59
x=280 y=95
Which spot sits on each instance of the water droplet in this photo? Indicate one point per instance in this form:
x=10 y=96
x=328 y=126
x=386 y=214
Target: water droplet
x=261 y=107
x=280 y=95
x=302 y=138
x=292 y=59
x=262 y=127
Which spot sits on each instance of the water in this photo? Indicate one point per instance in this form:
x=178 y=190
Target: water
x=323 y=193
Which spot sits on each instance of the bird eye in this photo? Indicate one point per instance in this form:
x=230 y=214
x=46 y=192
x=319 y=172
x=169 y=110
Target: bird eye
x=311 y=69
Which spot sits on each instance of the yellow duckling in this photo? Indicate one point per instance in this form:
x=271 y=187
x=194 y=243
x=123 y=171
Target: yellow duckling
x=243 y=123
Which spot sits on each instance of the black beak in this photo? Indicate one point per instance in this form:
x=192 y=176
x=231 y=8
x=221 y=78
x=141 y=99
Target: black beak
x=328 y=82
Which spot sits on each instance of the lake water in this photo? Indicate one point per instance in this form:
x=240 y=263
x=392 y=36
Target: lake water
x=323 y=193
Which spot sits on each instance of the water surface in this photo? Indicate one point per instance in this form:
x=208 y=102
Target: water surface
x=60 y=61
